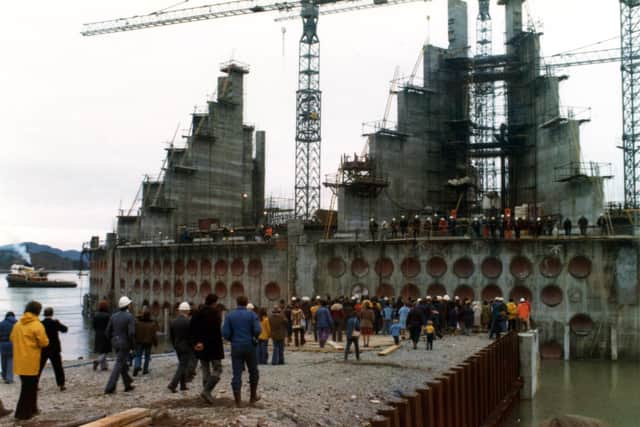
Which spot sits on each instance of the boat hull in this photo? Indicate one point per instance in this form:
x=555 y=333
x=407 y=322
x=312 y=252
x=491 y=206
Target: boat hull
x=22 y=283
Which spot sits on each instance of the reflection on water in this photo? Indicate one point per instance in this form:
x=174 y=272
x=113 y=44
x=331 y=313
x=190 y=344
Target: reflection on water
x=606 y=390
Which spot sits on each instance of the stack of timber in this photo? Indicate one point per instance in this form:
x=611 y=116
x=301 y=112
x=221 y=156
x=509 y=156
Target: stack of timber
x=134 y=417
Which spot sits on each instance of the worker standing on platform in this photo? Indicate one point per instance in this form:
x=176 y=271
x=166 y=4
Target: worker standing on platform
x=583 y=223
x=602 y=224
x=452 y=225
x=394 y=228
x=404 y=226
x=373 y=228
x=416 y=226
x=492 y=227
x=428 y=227
x=567 y=226
x=475 y=226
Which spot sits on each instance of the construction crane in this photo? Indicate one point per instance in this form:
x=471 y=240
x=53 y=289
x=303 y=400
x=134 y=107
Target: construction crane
x=308 y=95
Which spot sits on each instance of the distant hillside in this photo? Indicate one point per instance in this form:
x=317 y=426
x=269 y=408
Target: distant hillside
x=39 y=255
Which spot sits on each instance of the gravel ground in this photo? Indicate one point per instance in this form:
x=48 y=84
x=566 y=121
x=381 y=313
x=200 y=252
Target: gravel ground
x=313 y=388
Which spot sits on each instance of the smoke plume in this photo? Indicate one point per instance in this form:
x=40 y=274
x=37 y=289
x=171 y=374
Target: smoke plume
x=21 y=250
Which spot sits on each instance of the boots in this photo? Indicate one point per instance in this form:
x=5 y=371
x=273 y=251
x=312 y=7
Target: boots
x=3 y=411
x=237 y=396
x=254 y=394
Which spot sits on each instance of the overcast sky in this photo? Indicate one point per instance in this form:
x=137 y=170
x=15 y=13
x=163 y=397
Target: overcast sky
x=84 y=118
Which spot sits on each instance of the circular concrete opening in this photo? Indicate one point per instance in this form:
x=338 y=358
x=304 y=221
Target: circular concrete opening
x=192 y=288
x=436 y=266
x=205 y=288
x=237 y=289
x=436 y=289
x=136 y=286
x=359 y=267
x=551 y=350
x=237 y=267
x=551 y=295
x=157 y=268
x=137 y=267
x=520 y=267
x=129 y=266
x=336 y=266
x=490 y=292
x=166 y=288
x=580 y=267
x=463 y=267
x=550 y=266
x=179 y=267
x=192 y=267
x=520 y=292
x=581 y=324
x=464 y=292
x=146 y=266
x=157 y=288
x=255 y=267
x=359 y=290
x=220 y=289
x=384 y=267
x=410 y=291
x=491 y=267
x=410 y=267
x=221 y=267
x=123 y=284
x=205 y=267
x=178 y=288
x=385 y=290
x=166 y=266
x=272 y=291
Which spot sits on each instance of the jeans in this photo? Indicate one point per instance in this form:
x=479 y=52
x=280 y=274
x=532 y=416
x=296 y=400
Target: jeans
x=298 y=337
x=28 y=400
x=121 y=368
x=6 y=360
x=337 y=330
x=137 y=361
x=354 y=341
x=263 y=352
x=323 y=335
x=56 y=362
x=241 y=357
x=277 y=356
x=102 y=362
x=386 y=329
x=396 y=340
x=430 y=341
x=182 y=372
x=211 y=372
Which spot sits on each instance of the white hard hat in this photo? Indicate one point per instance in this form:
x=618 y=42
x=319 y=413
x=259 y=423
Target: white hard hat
x=419 y=299
x=446 y=297
x=521 y=299
x=294 y=299
x=124 y=302
x=457 y=297
x=184 y=306
x=250 y=306
x=317 y=296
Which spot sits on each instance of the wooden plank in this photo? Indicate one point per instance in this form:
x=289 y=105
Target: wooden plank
x=121 y=418
x=143 y=422
x=335 y=345
x=388 y=350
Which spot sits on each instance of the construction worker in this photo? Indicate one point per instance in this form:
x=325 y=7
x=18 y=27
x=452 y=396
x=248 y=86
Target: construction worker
x=404 y=225
x=394 y=228
x=428 y=226
x=416 y=227
x=518 y=226
x=475 y=226
x=373 y=228
x=602 y=223
x=452 y=225
x=539 y=227
x=268 y=233
x=583 y=223
x=567 y=226
x=385 y=230
x=442 y=226
x=492 y=227
x=501 y=225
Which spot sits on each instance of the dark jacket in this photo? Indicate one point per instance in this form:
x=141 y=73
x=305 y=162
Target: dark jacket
x=467 y=316
x=242 y=328
x=278 y=326
x=205 y=328
x=52 y=327
x=146 y=332
x=5 y=328
x=121 y=330
x=323 y=318
x=180 y=335
x=415 y=318
x=101 y=344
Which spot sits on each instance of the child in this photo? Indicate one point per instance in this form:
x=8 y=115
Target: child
x=395 y=331
x=429 y=331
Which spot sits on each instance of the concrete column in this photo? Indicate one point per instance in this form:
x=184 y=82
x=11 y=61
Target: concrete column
x=567 y=342
x=258 y=177
x=513 y=17
x=458 y=28
x=529 y=363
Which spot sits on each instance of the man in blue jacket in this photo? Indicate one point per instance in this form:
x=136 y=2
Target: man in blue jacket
x=6 y=348
x=242 y=327
x=324 y=323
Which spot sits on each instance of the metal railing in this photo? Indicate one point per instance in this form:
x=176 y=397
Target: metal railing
x=477 y=392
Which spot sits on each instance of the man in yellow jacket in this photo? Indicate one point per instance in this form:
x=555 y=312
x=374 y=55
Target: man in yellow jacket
x=28 y=338
x=512 y=314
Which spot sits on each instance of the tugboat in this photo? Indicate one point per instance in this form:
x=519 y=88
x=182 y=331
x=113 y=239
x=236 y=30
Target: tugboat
x=23 y=276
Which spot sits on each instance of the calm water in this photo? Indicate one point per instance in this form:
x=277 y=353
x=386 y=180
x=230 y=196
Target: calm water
x=605 y=390
x=67 y=307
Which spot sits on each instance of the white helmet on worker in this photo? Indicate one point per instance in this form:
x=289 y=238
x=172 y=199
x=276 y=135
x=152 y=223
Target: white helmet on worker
x=184 y=306
x=124 y=302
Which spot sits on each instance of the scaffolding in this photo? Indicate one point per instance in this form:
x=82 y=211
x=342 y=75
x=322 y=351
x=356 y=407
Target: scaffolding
x=357 y=177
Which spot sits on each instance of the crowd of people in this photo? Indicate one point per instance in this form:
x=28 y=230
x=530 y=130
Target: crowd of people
x=502 y=226
x=198 y=332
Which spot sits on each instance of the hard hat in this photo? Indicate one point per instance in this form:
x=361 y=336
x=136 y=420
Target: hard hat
x=446 y=297
x=393 y=219
x=318 y=297
x=294 y=299
x=184 y=306
x=521 y=299
x=416 y=216
x=124 y=302
x=250 y=306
